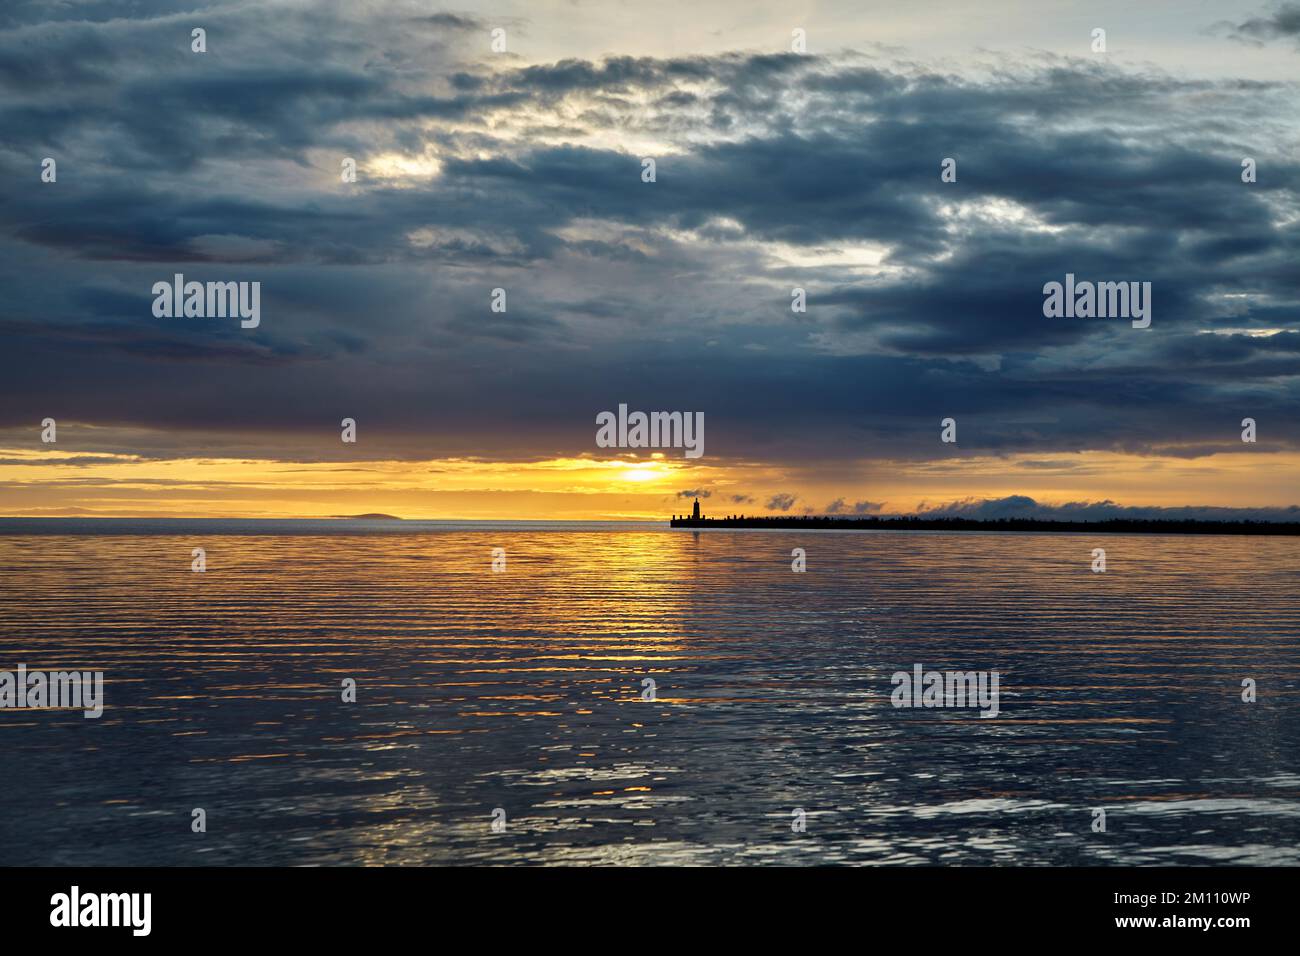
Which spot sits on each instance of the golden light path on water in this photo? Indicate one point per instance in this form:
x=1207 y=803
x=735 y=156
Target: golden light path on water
x=522 y=690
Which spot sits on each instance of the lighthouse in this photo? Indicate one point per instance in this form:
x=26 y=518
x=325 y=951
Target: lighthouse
x=696 y=513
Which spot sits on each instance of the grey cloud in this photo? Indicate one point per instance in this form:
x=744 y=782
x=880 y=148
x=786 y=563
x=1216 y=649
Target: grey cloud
x=1284 y=21
x=1021 y=506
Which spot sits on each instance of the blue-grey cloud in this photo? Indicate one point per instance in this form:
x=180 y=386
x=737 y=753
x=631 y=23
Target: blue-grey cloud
x=1282 y=21
x=1022 y=506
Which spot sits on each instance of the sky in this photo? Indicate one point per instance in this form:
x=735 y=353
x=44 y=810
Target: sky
x=523 y=170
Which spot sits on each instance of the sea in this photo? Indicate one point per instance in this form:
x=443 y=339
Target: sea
x=338 y=692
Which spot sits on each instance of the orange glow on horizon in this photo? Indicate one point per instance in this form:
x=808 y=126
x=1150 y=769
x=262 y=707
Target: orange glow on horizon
x=65 y=481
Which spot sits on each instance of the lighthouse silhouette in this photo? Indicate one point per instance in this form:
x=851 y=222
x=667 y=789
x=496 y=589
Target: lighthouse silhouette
x=696 y=512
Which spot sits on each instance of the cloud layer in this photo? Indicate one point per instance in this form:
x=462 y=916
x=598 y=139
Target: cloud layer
x=774 y=171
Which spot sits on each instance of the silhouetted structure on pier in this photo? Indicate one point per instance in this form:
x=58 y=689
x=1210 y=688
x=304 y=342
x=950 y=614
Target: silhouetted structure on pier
x=695 y=515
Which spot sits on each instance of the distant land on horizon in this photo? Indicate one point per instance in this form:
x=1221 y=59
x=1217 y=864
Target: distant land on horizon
x=918 y=523
x=16 y=524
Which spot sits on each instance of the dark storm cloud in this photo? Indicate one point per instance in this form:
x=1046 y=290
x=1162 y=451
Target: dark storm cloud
x=225 y=166
x=275 y=81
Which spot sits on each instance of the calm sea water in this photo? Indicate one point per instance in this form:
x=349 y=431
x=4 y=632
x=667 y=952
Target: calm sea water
x=522 y=691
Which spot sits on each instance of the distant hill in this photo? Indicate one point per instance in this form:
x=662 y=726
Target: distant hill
x=370 y=517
